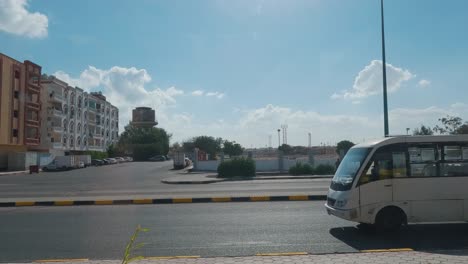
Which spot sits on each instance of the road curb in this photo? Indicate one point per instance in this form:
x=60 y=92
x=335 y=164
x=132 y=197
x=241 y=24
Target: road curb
x=267 y=254
x=225 y=199
x=192 y=182
x=215 y=179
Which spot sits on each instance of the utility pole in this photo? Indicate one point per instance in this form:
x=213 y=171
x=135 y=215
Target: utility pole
x=285 y=133
x=384 y=72
x=310 y=139
x=279 y=140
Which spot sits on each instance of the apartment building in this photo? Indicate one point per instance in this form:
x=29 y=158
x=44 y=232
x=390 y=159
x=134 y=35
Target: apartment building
x=20 y=107
x=77 y=120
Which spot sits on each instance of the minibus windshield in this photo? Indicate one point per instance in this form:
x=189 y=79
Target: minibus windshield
x=348 y=168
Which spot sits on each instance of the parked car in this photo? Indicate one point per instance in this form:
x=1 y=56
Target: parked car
x=97 y=162
x=111 y=160
x=158 y=158
x=81 y=164
x=128 y=159
x=120 y=159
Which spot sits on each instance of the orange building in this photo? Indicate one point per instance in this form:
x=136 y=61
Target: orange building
x=20 y=107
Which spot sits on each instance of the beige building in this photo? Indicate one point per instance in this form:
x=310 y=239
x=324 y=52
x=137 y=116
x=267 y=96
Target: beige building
x=20 y=104
x=76 y=120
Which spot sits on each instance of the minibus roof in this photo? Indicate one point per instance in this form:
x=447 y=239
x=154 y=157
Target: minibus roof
x=412 y=139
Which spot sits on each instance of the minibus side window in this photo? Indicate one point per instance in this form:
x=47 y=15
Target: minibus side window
x=386 y=163
x=379 y=168
x=455 y=161
x=424 y=160
x=399 y=164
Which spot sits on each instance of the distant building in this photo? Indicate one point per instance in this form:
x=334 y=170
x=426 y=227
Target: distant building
x=20 y=107
x=143 y=117
x=76 y=120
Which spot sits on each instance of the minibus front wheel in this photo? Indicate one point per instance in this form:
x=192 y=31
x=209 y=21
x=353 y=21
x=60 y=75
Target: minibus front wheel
x=390 y=218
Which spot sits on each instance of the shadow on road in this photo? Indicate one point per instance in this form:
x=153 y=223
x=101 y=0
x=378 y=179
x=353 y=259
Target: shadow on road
x=421 y=237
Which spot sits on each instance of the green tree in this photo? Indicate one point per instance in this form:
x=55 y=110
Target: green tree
x=286 y=149
x=208 y=144
x=463 y=129
x=144 y=143
x=343 y=146
x=450 y=125
x=111 y=151
x=423 y=130
x=232 y=148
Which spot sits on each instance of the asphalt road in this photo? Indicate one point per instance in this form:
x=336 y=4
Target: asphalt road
x=141 y=179
x=228 y=229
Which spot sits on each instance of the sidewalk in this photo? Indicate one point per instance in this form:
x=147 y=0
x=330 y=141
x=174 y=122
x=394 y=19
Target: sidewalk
x=206 y=178
x=5 y=173
x=411 y=257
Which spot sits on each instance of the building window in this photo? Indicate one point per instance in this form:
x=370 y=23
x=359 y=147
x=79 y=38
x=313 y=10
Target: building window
x=15 y=113
x=65 y=140
x=15 y=132
x=17 y=74
x=16 y=94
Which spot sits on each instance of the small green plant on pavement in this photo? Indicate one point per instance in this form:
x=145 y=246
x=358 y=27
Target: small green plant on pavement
x=131 y=246
x=237 y=167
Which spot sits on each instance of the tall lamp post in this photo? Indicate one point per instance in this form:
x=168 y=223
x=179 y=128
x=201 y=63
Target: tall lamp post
x=279 y=140
x=384 y=72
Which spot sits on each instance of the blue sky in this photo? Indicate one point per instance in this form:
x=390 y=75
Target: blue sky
x=239 y=69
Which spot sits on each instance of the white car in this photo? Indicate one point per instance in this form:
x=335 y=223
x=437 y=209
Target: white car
x=81 y=164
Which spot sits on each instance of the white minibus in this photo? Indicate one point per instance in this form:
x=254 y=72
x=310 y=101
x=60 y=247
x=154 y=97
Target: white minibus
x=406 y=179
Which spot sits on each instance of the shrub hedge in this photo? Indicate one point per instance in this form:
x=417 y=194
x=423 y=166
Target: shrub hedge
x=307 y=169
x=237 y=167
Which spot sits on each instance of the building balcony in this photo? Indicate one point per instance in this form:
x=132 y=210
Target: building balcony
x=56 y=113
x=56 y=145
x=33 y=105
x=95 y=148
x=56 y=97
x=32 y=123
x=34 y=87
x=32 y=141
x=57 y=129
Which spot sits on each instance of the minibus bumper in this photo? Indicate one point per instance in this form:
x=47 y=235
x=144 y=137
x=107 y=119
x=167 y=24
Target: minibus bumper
x=347 y=214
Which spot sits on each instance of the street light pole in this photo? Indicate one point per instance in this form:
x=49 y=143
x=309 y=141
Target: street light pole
x=384 y=72
x=279 y=140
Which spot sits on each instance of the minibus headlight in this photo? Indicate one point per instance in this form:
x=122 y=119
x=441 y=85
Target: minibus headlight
x=341 y=203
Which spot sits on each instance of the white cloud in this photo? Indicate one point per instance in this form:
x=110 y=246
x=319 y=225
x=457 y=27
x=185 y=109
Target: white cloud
x=197 y=93
x=368 y=82
x=424 y=83
x=16 y=19
x=253 y=127
x=215 y=94
x=125 y=88
x=401 y=118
